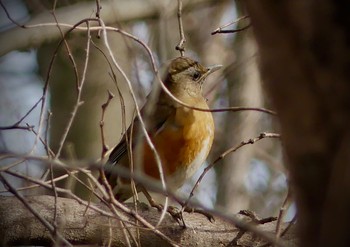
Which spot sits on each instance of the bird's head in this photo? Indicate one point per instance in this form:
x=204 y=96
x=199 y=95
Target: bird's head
x=186 y=76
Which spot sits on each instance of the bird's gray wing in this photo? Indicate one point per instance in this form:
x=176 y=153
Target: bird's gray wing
x=153 y=124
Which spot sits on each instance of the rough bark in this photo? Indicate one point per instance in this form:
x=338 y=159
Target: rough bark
x=305 y=57
x=81 y=226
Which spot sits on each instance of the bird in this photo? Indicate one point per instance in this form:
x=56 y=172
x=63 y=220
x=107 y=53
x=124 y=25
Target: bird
x=181 y=135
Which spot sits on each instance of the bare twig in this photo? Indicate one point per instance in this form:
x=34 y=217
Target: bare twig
x=16 y=125
x=53 y=184
x=286 y=203
x=20 y=127
x=43 y=105
x=242 y=108
x=104 y=107
x=180 y=47
x=9 y=16
x=64 y=176
x=60 y=190
x=12 y=164
x=48 y=75
x=79 y=86
x=98 y=8
x=231 y=30
x=49 y=152
x=223 y=155
x=291 y=223
x=220 y=29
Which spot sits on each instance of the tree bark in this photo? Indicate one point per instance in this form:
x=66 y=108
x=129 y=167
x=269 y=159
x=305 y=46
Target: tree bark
x=81 y=225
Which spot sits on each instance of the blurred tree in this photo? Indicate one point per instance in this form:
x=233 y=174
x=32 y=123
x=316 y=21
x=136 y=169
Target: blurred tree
x=304 y=53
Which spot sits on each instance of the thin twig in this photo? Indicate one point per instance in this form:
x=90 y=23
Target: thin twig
x=79 y=86
x=57 y=179
x=49 y=152
x=286 y=203
x=242 y=108
x=232 y=30
x=45 y=89
x=53 y=184
x=45 y=142
x=180 y=47
x=98 y=9
x=291 y=223
x=104 y=107
x=16 y=125
x=43 y=98
x=19 y=127
x=223 y=155
x=69 y=52
x=9 y=16
x=220 y=29
x=67 y=192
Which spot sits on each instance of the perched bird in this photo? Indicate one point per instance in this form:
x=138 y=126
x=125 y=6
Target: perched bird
x=182 y=136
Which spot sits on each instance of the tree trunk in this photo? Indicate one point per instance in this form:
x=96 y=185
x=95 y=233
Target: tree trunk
x=305 y=57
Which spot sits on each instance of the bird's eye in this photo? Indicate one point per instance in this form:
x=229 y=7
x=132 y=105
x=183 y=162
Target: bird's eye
x=196 y=75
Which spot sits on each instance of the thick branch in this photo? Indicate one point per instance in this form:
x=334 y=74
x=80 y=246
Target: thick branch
x=21 y=227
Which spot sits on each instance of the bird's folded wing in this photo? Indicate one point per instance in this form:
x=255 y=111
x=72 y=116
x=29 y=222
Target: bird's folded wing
x=153 y=123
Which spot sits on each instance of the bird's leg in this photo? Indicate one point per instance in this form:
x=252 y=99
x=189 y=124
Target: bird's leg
x=173 y=211
x=188 y=209
x=150 y=199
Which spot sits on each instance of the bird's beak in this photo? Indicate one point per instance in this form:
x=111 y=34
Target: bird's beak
x=213 y=68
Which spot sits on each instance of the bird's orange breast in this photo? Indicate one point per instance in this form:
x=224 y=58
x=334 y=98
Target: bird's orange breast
x=179 y=143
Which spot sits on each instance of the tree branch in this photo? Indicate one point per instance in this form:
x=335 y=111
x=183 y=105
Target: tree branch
x=37 y=30
x=81 y=226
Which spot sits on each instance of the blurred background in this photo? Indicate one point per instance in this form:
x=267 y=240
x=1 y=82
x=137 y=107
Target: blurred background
x=251 y=178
